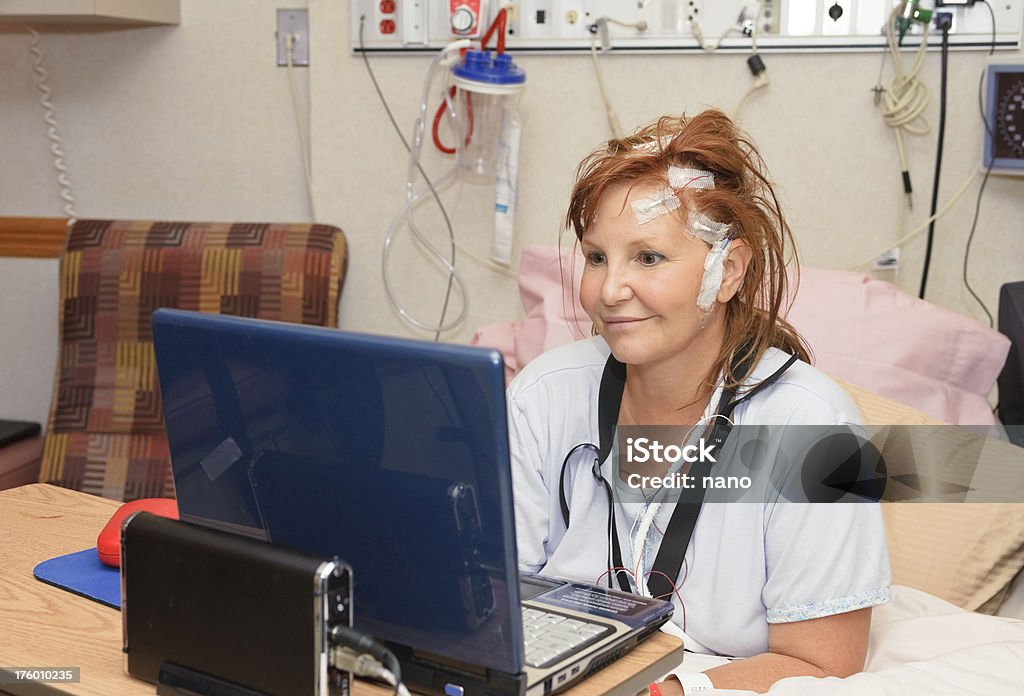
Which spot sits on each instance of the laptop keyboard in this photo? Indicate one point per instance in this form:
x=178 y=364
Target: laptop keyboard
x=550 y=637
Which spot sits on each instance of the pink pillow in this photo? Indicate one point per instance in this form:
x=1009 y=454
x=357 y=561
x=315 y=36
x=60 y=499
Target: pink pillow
x=873 y=334
x=860 y=329
x=553 y=315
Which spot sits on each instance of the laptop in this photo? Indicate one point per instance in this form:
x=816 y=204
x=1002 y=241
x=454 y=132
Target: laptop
x=392 y=454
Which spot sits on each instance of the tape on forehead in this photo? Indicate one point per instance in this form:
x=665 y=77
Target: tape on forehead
x=665 y=201
x=657 y=204
x=711 y=231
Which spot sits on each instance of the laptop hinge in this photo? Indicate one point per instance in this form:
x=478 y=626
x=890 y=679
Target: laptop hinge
x=435 y=674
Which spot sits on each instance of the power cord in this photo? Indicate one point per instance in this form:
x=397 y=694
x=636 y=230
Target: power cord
x=947 y=20
x=53 y=132
x=758 y=70
x=906 y=97
x=754 y=62
x=967 y=253
x=600 y=29
x=988 y=171
x=698 y=32
x=748 y=27
x=289 y=41
x=360 y=654
x=923 y=226
x=601 y=25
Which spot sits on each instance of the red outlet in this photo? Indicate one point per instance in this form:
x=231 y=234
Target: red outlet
x=387 y=26
x=387 y=6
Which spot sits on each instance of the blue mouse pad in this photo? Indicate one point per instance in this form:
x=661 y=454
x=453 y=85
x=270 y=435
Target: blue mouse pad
x=82 y=573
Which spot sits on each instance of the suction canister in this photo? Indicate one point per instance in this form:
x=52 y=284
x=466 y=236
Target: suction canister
x=487 y=92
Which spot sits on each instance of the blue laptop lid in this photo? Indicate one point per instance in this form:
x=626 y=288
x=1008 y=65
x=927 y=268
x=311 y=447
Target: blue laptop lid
x=390 y=453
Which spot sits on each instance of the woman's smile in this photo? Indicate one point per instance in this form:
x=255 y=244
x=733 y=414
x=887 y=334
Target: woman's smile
x=623 y=323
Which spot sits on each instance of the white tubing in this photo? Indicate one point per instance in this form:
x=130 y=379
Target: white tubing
x=412 y=199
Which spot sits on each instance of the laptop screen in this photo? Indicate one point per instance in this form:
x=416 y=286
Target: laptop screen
x=389 y=453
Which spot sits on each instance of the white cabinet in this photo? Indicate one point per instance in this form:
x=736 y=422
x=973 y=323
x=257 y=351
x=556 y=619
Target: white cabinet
x=127 y=12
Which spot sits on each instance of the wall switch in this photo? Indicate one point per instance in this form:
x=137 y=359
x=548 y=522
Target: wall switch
x=296 y=23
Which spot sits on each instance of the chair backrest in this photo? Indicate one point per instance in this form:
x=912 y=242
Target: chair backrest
x=105 y=432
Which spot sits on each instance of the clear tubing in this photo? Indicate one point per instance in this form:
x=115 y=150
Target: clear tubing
x=412 y=199
x=405 y=214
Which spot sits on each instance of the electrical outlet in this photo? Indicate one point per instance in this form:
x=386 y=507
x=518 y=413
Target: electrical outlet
x=512 y=29
x=943 y=19
x=572 y=19
x=296 y=23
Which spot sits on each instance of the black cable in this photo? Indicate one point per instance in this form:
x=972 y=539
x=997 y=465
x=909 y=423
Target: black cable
x=430 y=185
x=988 y=171
x=938 y=159
x=361 y=643
x=970 y=238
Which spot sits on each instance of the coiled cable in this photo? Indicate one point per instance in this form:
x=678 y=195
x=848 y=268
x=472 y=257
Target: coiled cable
x=906 y=97
x=53 y=130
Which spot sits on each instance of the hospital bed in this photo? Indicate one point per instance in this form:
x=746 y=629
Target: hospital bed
x=903 y=361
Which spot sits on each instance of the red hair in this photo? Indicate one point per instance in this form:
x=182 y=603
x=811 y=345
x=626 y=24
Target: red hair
x=742 y=197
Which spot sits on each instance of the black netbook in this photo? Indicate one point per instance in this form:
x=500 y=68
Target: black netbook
x=393 y=455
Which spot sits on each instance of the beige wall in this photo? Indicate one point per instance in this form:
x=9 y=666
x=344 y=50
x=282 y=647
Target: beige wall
x=195 y=122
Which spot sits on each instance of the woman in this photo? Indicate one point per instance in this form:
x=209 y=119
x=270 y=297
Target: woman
x=684 y=244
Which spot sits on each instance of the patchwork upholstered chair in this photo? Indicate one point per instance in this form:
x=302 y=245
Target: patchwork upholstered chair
x=105 y=433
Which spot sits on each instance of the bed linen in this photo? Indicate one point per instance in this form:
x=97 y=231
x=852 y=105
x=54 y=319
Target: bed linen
x=920 y=645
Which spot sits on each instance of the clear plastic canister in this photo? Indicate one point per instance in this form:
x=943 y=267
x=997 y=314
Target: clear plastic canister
x=486 y=97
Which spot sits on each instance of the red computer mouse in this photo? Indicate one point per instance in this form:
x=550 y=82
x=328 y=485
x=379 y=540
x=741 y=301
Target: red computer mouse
x=108 y=543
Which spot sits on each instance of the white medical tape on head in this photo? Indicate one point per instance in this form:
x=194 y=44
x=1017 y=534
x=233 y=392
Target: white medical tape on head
x=649 y=146
x=717 y=235
x=698 y=224
x=679 y=178
x=688 y=178
x=650 y=207
x=703 y=227
x=714 y=270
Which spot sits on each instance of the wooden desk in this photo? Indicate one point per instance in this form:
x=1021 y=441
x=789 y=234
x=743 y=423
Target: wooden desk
x=43 y=626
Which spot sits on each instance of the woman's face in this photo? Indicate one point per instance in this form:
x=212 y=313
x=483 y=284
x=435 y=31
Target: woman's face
x=640 y=282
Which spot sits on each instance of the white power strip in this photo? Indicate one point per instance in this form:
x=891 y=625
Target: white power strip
x=564 y=26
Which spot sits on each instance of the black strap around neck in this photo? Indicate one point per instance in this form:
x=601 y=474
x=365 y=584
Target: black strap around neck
x=609 y=401
x=676 y=540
